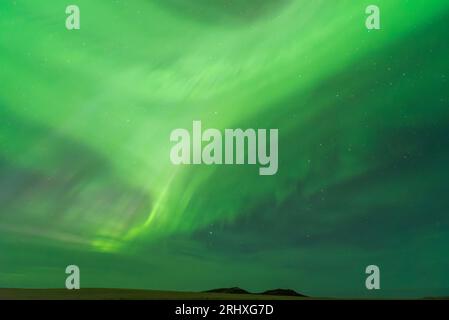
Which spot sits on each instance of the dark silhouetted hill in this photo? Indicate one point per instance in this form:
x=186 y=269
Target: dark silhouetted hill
x=233 y=290
x=283 y=292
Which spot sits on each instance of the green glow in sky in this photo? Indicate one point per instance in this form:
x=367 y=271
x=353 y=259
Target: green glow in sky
x=86 y=115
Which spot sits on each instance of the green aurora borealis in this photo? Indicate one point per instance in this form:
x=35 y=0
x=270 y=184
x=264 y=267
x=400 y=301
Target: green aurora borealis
x=363 y=119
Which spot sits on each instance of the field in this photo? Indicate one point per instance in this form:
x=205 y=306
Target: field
x=125 y=294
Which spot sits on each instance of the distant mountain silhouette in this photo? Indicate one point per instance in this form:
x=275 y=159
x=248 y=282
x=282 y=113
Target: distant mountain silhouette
x=234 y=290
x=283 y=292
x=274 y=292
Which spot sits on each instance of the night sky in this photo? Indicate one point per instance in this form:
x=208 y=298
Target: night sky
x=363 y=119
